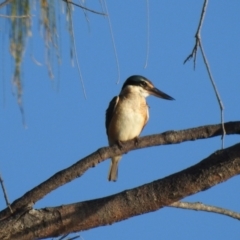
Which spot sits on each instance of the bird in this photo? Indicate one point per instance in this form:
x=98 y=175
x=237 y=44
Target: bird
x=128 y=113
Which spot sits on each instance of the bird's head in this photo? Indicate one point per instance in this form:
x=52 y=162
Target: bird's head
x=144 y=87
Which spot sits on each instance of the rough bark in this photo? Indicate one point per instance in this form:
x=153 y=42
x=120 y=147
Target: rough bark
x=80 y=167
x=50 y=222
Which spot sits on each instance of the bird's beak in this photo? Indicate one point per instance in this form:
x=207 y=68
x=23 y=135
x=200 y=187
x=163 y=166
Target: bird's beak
x=157 y=93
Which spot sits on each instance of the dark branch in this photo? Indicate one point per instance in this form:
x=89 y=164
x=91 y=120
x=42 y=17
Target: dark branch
x=85 y=8
x=80 y=167
x=193 y=54
x=50 y=222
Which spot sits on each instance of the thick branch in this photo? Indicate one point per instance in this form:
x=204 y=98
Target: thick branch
x=56 y=221
x=79 y=168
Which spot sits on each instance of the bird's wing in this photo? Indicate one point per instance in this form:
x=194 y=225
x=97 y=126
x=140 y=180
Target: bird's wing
x=147 y=117
x=110 y=111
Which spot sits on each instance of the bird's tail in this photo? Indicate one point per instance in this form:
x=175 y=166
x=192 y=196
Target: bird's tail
x=113 y=171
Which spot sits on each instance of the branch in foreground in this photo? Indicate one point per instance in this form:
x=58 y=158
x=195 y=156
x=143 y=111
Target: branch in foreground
x=80 y=167
x=198 y=206
x=51 y=222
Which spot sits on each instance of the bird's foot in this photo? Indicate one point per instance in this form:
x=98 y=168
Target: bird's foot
x=120 y=144
x=136 y=140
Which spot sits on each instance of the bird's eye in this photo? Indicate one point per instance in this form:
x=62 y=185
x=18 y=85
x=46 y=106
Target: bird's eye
x=144 y=84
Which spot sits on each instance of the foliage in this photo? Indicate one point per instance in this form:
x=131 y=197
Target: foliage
x=19 y=16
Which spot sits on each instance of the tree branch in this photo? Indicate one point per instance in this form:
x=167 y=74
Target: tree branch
x=193 y=54
x=5 y=194
x=80 y=167
x=198 y=206
x=51 y=222
x=84 y=8
x=215 y=90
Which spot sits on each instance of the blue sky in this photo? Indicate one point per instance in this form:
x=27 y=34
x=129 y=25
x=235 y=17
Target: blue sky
x=63 y=126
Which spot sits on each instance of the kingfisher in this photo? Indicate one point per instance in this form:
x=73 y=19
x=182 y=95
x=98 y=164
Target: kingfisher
x=127 y=114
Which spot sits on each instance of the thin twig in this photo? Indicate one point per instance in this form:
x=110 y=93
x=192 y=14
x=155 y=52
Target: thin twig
x=198 y=206
x=75 y=52
x=202 y=16
x=62 y=237
x=35 y=60
x=148 y=34
x=73 y=238
x=87 y=19
x=215 y=90
x=85 y=8
x=193 y=55
x=113 y=41
x=5 y=194
x=4 y=3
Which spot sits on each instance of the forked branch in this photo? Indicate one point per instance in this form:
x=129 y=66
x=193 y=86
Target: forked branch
x=56 y=221
x=193 y=54
x=80 y=167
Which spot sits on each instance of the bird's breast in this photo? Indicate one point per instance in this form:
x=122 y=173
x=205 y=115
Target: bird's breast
x=129 y=118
